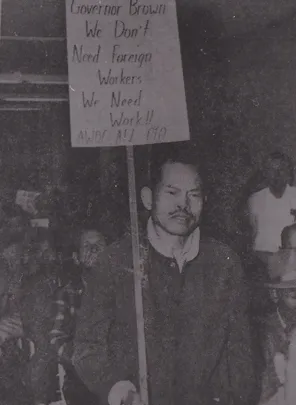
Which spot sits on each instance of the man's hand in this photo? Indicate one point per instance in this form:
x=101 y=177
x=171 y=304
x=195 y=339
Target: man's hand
x=280 y=365
x=124 y=393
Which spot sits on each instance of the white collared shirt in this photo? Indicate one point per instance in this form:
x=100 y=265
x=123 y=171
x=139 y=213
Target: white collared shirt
x=271 y=215
x=161 y=245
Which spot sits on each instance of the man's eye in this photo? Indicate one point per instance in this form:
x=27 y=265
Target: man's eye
x=171 y=192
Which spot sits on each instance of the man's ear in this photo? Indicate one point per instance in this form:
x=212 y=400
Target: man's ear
x=146 y=196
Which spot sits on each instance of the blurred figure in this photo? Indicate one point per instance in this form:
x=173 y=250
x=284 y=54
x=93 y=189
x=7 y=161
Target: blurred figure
x=89 y=245
x=92 y=244
x=266 y=205
x=13 y=357
x=38 y=288
x=271 y=209
x=86 y=250
x=280 y=338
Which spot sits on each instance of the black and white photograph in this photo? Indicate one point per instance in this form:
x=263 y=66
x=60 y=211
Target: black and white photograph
x=147 y=202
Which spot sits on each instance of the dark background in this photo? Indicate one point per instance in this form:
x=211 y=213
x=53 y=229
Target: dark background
x=239 y=68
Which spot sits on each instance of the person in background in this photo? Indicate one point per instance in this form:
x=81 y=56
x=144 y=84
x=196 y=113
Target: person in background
x=269 y=201
x=38 y=288
x=88 y=247
x=13 y=237
x=84 y=256
x=13 y=357
x=264 y=208
x=195 y=303
x=280 y=335
x=271 y=209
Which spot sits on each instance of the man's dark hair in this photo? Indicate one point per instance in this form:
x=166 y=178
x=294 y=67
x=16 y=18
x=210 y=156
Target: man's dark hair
x=258 y=180
x=177 y=152
x=285 y=159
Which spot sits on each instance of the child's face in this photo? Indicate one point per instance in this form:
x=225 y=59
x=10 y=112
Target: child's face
x=288 y=297
x=91 y=245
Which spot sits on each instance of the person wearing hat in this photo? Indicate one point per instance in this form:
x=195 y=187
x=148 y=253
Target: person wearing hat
x=278 y=386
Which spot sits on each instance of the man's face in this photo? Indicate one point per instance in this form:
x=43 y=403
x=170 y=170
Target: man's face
x=288 y=298
x=177 y=200
x=46 y=252
x=277 y=175
x=91 y=245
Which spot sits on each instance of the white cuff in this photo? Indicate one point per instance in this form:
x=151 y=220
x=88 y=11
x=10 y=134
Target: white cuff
x=119 y=392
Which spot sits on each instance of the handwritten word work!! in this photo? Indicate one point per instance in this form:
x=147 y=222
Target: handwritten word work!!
x=125 y=73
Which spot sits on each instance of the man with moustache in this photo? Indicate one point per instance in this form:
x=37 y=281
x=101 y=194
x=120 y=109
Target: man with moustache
x=195 y=304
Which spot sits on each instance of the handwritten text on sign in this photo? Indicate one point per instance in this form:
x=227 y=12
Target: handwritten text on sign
x=125 y=73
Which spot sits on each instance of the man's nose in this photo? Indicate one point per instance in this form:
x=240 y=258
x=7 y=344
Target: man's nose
x=183 y=201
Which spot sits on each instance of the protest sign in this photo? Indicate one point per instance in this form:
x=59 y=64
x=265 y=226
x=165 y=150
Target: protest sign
x=125 y=73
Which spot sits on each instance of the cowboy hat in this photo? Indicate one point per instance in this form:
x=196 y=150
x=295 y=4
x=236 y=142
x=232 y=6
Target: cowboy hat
x=282 y=269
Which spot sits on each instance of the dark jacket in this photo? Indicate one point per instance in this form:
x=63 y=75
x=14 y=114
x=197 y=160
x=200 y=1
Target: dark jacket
x=197 y=328
x=37 y=317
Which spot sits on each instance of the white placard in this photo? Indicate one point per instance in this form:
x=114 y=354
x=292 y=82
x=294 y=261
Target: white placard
x=126 y=82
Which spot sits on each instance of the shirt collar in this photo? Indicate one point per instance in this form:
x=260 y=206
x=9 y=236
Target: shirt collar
x=162 y=246
x=287 y=191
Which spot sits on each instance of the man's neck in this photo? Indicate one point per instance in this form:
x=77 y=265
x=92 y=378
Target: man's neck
x=182 y=249
x=174 y=242
x=278 y=193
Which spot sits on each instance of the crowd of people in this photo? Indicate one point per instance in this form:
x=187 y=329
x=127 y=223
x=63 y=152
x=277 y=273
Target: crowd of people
x=40 y=296
x=220 y=322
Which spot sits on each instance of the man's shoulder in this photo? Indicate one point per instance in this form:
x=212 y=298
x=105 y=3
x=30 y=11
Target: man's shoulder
x=218 y=248
x=221 y=261
x=292 y=191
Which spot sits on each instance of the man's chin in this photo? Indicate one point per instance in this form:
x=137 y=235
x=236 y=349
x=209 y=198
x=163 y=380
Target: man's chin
x=180 y=231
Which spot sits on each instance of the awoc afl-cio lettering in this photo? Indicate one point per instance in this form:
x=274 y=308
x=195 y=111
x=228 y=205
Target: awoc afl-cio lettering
x=135 y=8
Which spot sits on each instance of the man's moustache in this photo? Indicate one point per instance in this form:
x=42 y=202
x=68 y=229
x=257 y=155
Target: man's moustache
x=181 y=214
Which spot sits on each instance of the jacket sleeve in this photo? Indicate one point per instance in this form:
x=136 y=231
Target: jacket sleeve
x=96 y=362
x=243 y=358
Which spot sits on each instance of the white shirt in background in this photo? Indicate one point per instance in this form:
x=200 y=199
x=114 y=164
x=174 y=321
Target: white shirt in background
x=270 y=215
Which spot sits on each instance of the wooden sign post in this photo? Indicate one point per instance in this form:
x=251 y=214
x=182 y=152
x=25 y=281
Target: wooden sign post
x=126 y=88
